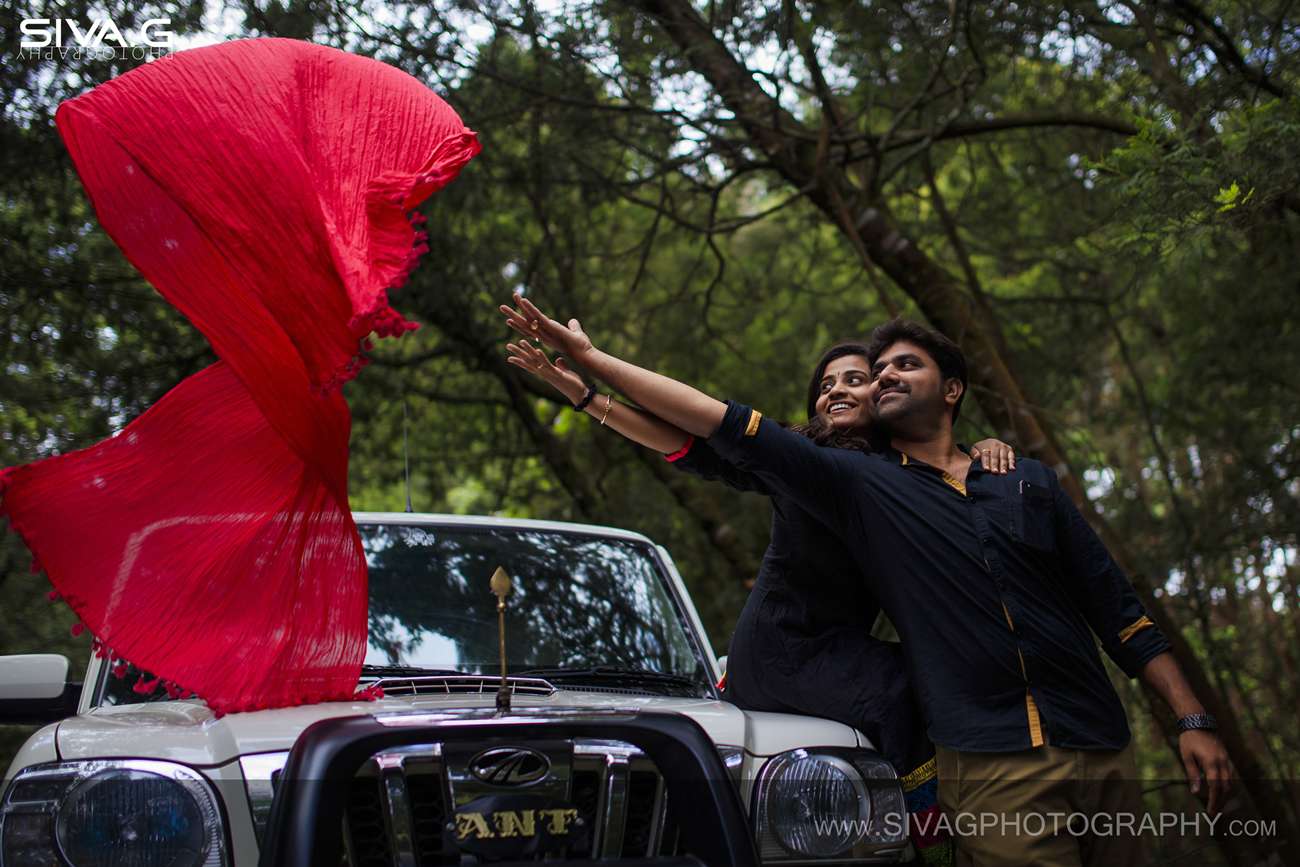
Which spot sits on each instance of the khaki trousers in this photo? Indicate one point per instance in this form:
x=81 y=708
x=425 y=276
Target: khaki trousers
x=1047 y=807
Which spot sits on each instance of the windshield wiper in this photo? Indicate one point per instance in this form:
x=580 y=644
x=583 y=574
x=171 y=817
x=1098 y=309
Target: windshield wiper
x=614 y=673
x=409 y=671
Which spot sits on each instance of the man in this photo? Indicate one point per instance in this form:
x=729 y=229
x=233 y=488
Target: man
x=1044 y=751
x=995 y=583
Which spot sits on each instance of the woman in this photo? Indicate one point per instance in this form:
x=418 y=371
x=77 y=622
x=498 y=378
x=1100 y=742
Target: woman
x=802 y=642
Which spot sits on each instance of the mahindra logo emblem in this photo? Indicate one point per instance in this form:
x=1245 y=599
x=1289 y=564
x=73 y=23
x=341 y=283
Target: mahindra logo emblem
x=509 y=766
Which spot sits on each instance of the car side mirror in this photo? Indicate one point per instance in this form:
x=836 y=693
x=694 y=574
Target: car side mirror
x=34 y=689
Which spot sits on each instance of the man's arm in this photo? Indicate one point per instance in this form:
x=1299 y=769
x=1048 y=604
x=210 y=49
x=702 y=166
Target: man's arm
x=1202 y=752
x=818 y=479
x=683 y=451
x=636 y=424
x=675 y=402
x=1133 y=641
x=1102 y=591
x=825 y=482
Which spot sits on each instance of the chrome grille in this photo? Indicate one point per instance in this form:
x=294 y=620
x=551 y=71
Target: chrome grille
x=365 y=839
x=398 y=806
x=428 y=814
x=466 y=684
x=644 y=791
x=585 y=795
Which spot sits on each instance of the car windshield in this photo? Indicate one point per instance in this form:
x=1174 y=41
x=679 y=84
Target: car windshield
x=578 y=602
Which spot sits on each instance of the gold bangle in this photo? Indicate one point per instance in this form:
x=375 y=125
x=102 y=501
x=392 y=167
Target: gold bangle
x=609 y=402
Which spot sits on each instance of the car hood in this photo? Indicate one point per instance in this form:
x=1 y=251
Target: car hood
x=188 y=732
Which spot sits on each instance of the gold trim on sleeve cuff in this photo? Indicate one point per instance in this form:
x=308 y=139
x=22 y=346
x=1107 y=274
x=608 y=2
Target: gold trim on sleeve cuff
x=755 y=417
x=1133 y=628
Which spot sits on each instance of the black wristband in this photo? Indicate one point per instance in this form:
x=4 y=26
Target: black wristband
x=1198 y=721
x=591 y=394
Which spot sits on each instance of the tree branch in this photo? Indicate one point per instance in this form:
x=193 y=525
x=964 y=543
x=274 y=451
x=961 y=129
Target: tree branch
x=972 y=128
x=1224 y=49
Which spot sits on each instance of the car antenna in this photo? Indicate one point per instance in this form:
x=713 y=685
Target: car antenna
x=406 y=457
x=500 y=584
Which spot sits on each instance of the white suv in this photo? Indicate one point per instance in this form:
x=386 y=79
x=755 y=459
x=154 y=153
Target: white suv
x=599 y=631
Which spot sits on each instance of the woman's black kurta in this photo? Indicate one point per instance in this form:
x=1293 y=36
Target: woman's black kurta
x=803 y=641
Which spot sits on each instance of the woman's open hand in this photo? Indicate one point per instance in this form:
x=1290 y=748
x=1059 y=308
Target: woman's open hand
x=558 y=374
x=529 y=321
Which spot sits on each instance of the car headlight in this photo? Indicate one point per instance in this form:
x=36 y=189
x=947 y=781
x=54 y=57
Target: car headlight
x=828 y=803
x=128 y=813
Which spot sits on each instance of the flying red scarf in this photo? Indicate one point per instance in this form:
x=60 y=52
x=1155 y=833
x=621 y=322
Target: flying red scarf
x=263 y=186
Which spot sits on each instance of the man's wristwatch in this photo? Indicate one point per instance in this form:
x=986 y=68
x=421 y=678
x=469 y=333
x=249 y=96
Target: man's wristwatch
x=1194 y=721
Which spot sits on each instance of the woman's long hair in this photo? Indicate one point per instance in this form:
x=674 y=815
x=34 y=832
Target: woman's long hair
x=818 y=428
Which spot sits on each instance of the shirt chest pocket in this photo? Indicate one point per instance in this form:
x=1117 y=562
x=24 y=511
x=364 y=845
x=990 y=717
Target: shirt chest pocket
x=1032 y=521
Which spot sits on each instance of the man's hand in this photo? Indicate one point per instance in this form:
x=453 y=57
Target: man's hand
x=529 y=321
x=1204 y=755
x=994 y=455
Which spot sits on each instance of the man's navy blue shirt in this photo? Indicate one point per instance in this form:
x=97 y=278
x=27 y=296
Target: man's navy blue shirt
x=996 y=586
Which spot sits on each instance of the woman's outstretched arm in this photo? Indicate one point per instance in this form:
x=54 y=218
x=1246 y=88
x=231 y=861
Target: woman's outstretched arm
x=636 y=424
x=821 y=480
x=676 y=403
x=684 y=451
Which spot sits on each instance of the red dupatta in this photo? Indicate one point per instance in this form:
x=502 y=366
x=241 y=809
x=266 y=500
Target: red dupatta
x=263 y=187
